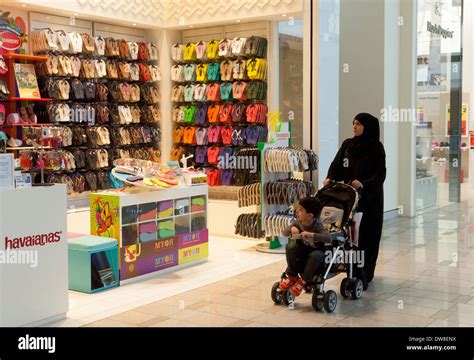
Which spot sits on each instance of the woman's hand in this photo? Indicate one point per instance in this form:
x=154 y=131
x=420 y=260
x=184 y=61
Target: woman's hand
x=326 y=182
x=294 y=230
x=357 y=184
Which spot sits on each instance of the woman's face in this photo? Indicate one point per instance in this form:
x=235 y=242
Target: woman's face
x=357 y=128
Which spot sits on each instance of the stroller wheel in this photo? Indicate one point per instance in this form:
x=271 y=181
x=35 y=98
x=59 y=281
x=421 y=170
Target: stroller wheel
x=277 y=295
x=308 y=289
x=318 y=300
x=330 y=301
x=357 y=290
x=345 y=291
x=288 y=298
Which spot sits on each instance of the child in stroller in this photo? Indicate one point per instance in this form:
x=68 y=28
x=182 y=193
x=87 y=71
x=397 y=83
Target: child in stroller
x=305 y=254
x=322 y=224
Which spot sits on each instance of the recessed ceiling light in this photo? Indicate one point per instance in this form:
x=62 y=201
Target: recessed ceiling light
x=76 y=14
x=237 y=20
x=24 y=5
x=134 y=24
x=191 y=26
x=284 y=15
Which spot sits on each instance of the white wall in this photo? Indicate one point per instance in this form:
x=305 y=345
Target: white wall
x=327 y=85
x=407 y=100
x=368 y=75
x=391 y=138
x=179 y=13
x=167 y=13
x=120 y=12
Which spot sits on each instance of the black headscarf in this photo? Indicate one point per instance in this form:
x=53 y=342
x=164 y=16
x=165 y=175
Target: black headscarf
x=360 y=145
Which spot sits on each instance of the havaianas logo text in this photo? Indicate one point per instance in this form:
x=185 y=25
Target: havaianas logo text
x=12 y=31
x=32 y=240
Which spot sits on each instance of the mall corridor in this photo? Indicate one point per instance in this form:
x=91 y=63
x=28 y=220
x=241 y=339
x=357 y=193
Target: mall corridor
x=424 y=278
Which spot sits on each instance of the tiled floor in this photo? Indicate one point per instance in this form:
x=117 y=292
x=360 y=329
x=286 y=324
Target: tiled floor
x=425 y=277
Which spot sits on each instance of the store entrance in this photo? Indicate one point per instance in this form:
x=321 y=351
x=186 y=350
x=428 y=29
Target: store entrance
x=442 y=125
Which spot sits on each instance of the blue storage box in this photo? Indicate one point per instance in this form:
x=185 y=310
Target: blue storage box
x=93 y=263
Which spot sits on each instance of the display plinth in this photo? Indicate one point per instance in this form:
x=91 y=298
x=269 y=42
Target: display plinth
x=33 y=225
x=155 y=229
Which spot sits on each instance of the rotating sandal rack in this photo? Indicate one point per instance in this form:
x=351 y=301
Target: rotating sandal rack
x=280 y=190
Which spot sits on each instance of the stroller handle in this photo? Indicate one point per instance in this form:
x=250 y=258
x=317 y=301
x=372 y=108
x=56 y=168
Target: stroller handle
x=333 y=182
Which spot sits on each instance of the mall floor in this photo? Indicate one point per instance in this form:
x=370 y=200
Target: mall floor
x=424 y=278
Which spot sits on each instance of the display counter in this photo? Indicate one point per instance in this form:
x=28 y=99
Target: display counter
x=155 y=229
x=33 y=256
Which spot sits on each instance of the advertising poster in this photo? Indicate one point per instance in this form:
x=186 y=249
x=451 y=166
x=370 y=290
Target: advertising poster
x=144 y=258
x=105 y=220
x=193 y=238
x=464 y=120
x=193 y=253
x=6 y=171
x=26 y=81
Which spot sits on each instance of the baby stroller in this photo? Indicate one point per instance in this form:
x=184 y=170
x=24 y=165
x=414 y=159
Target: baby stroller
x=339 y=204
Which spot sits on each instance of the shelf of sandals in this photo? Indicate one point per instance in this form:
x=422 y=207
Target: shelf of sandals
x=106 y=101
x=219 y=109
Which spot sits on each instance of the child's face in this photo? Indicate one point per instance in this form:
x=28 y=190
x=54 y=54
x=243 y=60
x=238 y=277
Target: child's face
x=302 y=215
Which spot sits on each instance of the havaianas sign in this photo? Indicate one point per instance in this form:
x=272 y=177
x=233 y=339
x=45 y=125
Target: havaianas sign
x=437 y=29
x=12 y=32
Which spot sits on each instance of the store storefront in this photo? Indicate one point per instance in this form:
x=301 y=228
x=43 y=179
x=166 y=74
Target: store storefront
x=87 y=85
x=87 y=88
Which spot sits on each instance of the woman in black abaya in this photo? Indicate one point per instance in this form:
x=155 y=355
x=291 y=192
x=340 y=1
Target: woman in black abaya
x=361 y=162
